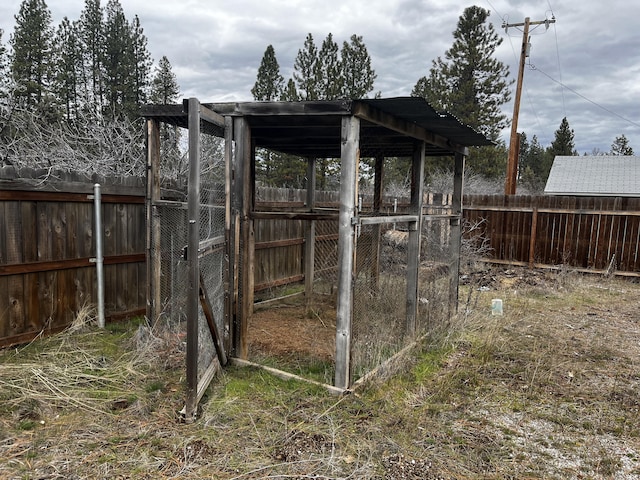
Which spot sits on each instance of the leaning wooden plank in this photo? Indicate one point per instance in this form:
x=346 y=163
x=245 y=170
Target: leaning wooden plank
x=211 y=321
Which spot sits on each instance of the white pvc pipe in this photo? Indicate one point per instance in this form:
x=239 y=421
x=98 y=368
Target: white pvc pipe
x=99 y=258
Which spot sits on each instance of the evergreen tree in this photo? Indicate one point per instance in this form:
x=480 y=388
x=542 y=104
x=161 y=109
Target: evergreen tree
x=469 y=83
x=126 y=63
x=330 y=75
x=620 y=146
x=3 y=63
x=164 y=86
x=68 y=61
x=141 y=70
x=534 y=164
x=472 y=85
x=116 y=58
x=31 y=43
x=269 y=83
x=357 y=74
x=306 y=71
x=165 y=90
x=563 y=143
x=290 y=94
x=91 y=37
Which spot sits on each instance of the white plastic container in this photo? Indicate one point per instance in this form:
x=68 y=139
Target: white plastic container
x=496 y=306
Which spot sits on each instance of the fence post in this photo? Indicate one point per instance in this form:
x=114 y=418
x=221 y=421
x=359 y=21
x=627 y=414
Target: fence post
x=154 y=243
x=310 y=231
x=415 y=233
x=456 y=233
x=348 y=191
x=532 y=238
x=193 y=291
x=97 y=203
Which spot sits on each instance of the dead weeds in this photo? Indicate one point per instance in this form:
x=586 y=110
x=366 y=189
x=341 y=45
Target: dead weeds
x=550 y=389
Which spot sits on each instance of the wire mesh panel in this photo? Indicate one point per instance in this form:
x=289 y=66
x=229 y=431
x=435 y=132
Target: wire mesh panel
x=434 y=276
x=173 y=242
x=380 y=293
x=211 y=254
x=326 y=257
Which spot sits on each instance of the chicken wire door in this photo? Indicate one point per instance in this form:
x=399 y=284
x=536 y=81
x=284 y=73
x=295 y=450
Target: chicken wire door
x=206 y=254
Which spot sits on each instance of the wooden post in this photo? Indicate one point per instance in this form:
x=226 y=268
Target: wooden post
x=244 y=190
x=350 y=153
x=532 y=238
x=154 y=246
x=377 y=208
x=456 y=233
x=229 y=273
x=415 y=233
x=193 y=267
x=310 y=232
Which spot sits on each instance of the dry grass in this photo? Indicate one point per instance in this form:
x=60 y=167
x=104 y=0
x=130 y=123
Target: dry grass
x=551 y=389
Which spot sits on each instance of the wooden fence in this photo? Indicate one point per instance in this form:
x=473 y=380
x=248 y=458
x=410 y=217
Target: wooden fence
x=595 y=234
x=47 y=244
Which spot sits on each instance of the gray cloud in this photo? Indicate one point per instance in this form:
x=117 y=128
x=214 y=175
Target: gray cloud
x=216 y=47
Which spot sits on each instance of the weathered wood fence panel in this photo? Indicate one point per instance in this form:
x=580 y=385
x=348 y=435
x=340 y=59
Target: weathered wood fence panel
x=47 y=245
x=597 y=234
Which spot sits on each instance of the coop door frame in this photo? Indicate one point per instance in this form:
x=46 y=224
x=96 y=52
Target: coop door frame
x=198 y=297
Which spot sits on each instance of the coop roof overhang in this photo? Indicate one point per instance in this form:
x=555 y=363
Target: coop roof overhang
x=388 y=127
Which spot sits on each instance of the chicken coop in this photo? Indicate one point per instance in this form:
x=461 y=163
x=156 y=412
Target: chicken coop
x=351 y=274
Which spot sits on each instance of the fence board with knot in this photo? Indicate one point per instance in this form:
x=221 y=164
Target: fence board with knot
x=47 y=244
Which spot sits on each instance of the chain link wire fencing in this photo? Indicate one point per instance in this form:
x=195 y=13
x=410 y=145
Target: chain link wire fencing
x=171 y=214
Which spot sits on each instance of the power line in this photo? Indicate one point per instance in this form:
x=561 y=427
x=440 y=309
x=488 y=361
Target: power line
x=555 y=32
x=631 y=122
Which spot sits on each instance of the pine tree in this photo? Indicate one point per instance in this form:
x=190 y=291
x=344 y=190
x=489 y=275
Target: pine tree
x=3 y=63
x=116 y=58
x=620 y=146
x=31 y=43
x=165 y=90
x=269 y=82
x=141 y=69
x=357 y=74
x=469 y=83
x=306 y=72
x=91 y=37
x=330 y=77
x=533 y=163
x=290 y=94
x=563 y=143
x=164 y=86
x=68 y=61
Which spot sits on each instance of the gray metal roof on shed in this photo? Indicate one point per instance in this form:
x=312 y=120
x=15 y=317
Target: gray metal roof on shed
x=601 y=175
x=389 y=126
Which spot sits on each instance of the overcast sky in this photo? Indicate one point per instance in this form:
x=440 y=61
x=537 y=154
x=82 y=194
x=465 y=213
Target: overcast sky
x=593 y=49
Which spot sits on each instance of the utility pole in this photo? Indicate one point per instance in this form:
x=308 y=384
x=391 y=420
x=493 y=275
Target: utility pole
x=514 y=140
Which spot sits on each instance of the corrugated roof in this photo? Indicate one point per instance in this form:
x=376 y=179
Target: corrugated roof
x=389 y=126
x=603 y=175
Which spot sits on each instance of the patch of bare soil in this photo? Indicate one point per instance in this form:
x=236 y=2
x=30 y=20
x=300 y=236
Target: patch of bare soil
x=294 y=331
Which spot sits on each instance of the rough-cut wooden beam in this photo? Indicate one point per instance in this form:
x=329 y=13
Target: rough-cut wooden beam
x=413 y=243
x=367 y=112
x=154 y=264
x=337 y=107
x=456 y=233
x=348 y=192
x=193 y=268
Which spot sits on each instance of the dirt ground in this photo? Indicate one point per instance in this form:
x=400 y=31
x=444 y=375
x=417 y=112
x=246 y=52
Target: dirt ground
x=294 y=330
